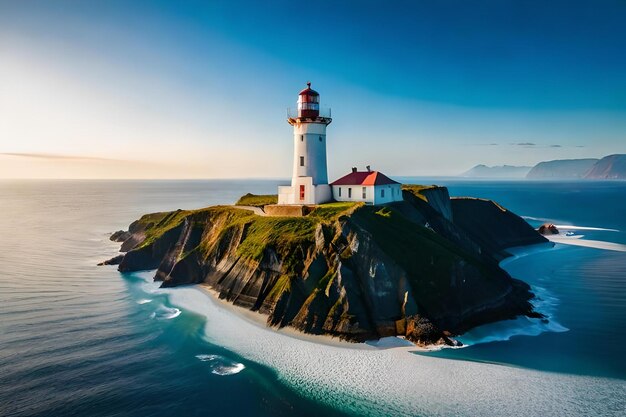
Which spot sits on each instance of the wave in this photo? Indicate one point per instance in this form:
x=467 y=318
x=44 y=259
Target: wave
x=568 y=226
x=165 y=313
x=572 y=227
x=578 y=241
x=144 y=301
x=222 y=366
x=396 y=382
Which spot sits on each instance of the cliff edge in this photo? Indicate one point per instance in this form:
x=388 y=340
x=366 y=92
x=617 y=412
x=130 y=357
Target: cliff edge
x=421 y=268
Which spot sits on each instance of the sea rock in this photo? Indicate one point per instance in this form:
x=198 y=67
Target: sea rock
x=120 y=236
x=422 y=331
x=548 y=229
x=113 y=261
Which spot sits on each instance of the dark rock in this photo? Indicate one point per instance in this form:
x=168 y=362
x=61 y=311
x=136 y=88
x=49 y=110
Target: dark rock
x=113 y=261
x=548 y=229
x=120 y=236
x=422 y=331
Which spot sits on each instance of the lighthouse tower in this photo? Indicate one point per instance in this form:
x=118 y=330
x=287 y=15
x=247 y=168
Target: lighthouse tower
x=309 y=182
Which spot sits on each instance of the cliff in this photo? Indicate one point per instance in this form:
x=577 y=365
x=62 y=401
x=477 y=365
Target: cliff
x=609 y=167
x=418 y=268
x=562 y=169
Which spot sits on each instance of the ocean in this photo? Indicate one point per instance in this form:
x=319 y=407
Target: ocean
x=81 y=340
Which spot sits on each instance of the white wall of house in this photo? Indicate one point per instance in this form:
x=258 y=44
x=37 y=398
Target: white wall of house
x=387 y=193
x=370 y=194
x=354 y=193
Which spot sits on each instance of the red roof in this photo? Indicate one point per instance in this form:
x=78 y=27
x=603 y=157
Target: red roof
x=308 y=91
x=364 y=178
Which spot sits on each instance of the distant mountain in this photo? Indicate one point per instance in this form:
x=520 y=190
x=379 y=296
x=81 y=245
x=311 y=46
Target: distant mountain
x=501 y=171
x=609 y=167
x=562 y=169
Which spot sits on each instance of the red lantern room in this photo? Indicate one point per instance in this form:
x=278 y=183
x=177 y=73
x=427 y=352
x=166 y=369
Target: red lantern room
x=308 y=102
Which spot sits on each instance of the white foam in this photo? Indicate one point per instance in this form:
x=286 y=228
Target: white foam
x=222 y=366
x=578 y=241
x=572 y=227
x=568 y=226
x=165 y=313
x=144 y=301
x=395 y=382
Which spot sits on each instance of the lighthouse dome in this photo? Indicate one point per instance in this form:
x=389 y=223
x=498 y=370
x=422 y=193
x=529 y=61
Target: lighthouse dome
x=308 y=91
x=308 y=102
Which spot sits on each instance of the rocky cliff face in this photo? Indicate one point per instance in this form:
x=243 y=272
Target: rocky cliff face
x=609 y=167
x=562 y=169
x=349 y=270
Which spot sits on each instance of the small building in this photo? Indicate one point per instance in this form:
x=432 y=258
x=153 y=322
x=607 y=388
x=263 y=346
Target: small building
x=371 y=187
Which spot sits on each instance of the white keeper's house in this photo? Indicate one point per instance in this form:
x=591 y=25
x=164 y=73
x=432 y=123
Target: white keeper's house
x=372 y=187
x=309 y=182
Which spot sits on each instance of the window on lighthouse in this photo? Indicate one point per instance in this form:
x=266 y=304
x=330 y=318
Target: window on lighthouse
x=302 y=161
x=301 y=192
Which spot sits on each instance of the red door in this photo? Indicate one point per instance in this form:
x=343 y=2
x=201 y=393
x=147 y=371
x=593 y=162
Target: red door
x=302 y=193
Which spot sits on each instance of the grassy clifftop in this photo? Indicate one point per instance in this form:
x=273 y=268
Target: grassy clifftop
x=257 y=200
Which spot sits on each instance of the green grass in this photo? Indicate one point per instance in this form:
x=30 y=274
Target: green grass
x=157 y=224
x=283 y=284
x=417 y=189
x=257 y=200
x=290 y=237
x=332 y=211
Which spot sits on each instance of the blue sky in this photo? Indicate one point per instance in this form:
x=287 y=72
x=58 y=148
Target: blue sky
x=199 y=89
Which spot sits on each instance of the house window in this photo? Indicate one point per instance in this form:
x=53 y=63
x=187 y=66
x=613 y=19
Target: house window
x=349 y=192
x=339 y=191
x=301 y=192
x=302 y=161
x=321 y=139
x=382 y=193
x=364 y=193
x=301 y=138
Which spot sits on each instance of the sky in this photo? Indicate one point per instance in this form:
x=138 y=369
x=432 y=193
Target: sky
x=186 y=89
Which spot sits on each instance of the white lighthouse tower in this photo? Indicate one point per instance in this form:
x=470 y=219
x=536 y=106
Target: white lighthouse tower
x=309 y=182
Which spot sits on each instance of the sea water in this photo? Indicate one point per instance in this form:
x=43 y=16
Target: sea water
x=77 y=339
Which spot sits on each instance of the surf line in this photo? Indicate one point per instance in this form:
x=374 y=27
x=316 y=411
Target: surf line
x=597 y=244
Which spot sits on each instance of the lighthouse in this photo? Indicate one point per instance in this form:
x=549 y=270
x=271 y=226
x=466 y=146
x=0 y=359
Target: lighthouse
x=309 y=181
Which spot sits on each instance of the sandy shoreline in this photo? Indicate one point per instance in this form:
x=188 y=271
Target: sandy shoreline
x=260 y=320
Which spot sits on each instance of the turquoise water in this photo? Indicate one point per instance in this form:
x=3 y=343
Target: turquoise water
x=76 y=339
